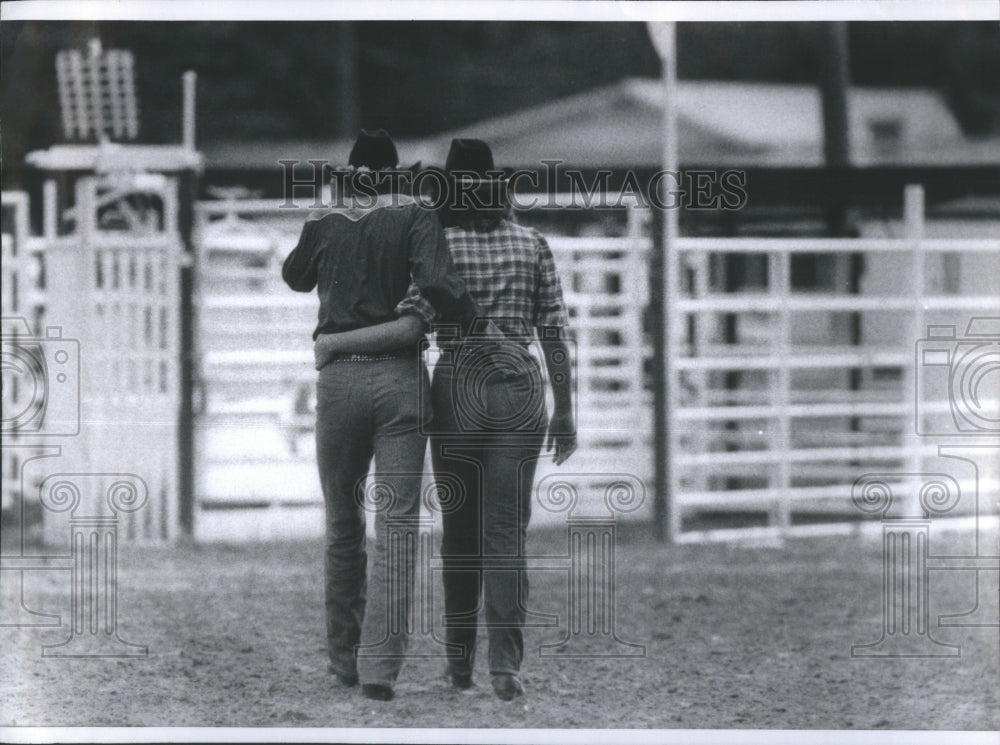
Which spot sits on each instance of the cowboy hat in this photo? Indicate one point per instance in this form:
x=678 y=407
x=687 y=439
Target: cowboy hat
x=373 y=150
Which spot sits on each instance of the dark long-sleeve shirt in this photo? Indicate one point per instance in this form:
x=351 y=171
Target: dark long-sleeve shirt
x=362 y=261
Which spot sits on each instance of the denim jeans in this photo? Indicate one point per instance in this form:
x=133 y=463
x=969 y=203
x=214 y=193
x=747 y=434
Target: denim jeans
x=370 y=409
x=483 y=547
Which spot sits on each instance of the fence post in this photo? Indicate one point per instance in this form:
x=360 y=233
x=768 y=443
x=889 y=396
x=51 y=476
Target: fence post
x=188 y=187
x=185 y=415
x=665 y=285
x=657 y=307
x=913 y=214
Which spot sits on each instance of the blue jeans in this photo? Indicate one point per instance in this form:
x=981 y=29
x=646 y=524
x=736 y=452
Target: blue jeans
x=483 y=547
x=368 y=409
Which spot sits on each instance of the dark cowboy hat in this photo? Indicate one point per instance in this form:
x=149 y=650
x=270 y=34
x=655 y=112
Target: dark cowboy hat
x=374 y=150
x=472 y=159
x=477 y=188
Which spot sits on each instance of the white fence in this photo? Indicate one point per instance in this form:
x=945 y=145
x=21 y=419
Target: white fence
x=90 y=313
x=775 y=407
x=258 y=378
x=782 y=393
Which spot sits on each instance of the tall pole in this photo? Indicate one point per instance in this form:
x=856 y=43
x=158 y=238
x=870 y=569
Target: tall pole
x=833 y=83
x=190 y=84
x=348 y=115
x=188 y=192
x=663 y=273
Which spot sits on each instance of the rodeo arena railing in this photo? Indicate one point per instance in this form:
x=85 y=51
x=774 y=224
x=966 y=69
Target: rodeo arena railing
x=90 y=396
x=773 y=409
x=770 y=410
x=257 y=376
x=788 y=410
x=790 y=407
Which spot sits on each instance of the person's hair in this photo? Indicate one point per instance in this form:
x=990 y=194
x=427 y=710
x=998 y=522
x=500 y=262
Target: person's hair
x=383 y=181
x=481 y=219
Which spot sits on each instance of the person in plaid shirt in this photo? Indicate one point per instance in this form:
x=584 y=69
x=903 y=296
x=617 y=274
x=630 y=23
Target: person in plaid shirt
x=489 y=421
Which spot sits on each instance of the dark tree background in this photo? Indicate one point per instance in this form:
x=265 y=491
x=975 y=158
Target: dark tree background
x=320 y=80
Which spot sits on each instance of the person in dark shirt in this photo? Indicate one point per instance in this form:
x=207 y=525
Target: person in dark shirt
x=362 y=255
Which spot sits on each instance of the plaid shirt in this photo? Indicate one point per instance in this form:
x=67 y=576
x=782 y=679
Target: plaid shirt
x=509 y=272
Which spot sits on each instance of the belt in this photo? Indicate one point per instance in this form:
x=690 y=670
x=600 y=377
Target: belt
x=373 y=357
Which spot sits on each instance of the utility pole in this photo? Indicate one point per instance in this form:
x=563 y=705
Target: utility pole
x=834 y=84
x=348 y=115
x=664 y=282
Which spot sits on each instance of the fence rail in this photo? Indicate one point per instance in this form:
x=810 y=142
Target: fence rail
x=888 y=315
x=782 y=392
x=775 y=407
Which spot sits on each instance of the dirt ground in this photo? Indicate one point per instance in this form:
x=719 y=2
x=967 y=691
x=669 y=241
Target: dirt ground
x=735 y=637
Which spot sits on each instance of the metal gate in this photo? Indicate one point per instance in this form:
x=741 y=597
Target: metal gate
x=91 y=346
x=774 y=410
x=256 y=473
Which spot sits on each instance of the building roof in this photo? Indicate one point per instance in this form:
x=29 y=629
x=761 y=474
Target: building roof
x=729 y=123
x=720 y=123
